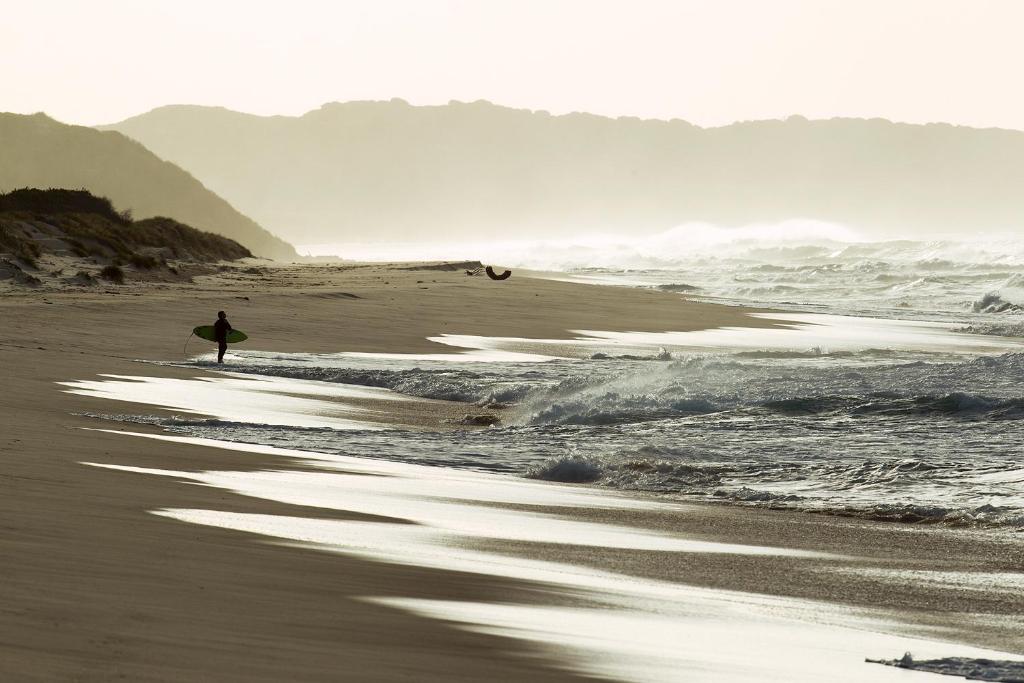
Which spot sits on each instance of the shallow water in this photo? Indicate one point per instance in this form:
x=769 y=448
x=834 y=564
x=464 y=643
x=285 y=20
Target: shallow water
x=803 y=266
x=900 y=398
x=608 y=624
x=874 y=434
x=902 y=412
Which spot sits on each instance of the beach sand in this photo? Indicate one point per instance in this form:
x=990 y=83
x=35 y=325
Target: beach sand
x=93 y=588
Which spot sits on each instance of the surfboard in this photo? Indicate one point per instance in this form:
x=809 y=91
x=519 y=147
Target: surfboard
x=206 y=332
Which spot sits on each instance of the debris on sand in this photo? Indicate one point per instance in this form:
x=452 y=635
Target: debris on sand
x=479 y=420
x=495 y=276
x=446 y=266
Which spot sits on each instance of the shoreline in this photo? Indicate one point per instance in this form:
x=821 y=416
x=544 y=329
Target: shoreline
x=107 y=588
x=569 y=543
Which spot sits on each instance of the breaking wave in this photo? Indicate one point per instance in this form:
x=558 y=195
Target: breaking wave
x=993 y=302
x=637 y=471
x=870 y=434
x=700 y=386
x=873 y=433
x=795 y=264
x=464 y=386
x=745 y=484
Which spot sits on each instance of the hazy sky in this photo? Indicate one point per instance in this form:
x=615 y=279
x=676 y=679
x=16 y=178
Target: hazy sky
x=710 y=62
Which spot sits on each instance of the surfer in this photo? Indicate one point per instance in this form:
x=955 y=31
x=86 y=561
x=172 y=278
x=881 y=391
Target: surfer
x=220 y=331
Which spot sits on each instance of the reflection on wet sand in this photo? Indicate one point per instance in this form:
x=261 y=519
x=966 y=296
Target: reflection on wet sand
x=598 y=622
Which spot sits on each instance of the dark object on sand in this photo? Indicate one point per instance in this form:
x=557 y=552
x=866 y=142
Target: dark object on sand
x=490 y=273
x=113 y=273
x=450 y=266
x=494 y=276
x=969 y=668
x=480 y=420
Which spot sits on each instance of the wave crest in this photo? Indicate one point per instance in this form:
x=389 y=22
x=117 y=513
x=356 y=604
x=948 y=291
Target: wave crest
x=631 y=473
x=993 y=302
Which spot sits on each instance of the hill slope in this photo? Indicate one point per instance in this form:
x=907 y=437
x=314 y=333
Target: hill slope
x=41 y=152
x=380 y=170
x=45 y=235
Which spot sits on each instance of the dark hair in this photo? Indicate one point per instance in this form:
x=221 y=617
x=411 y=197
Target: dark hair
x=221 y=314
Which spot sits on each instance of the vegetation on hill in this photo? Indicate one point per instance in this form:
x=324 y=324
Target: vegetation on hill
x=36 y=151
x=60 y=201
x=77 y=223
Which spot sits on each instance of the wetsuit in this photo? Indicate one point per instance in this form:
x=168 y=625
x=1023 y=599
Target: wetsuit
x=220 y=331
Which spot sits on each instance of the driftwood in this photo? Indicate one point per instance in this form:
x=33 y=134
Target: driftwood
x=490 y=273
x=494 y=276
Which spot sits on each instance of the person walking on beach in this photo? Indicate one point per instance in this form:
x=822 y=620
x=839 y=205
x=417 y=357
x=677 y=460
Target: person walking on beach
x=220 y=331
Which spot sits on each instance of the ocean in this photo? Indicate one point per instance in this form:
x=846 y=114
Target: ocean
x=892 y=392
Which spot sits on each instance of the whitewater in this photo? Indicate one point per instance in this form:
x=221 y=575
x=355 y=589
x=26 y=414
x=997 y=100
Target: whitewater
x=892 y=390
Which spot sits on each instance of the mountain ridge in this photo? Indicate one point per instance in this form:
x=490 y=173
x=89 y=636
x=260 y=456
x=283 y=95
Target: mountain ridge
x=389 y=170
x=575 y=113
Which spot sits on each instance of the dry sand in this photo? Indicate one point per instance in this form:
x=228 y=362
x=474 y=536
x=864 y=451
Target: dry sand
x=92 y=588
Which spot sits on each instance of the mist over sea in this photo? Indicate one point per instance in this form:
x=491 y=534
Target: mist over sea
x=872 y=425
x=805 y=265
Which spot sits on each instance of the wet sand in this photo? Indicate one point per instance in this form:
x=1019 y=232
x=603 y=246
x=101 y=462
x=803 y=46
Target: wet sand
x=92 y=587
